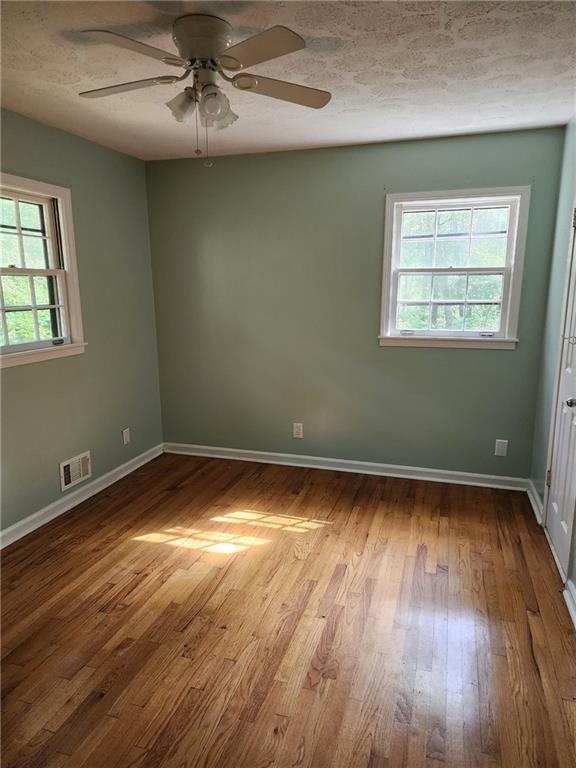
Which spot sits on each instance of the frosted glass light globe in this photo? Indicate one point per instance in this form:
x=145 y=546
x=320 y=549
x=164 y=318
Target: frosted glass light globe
x=214 y=104
x=215 y=108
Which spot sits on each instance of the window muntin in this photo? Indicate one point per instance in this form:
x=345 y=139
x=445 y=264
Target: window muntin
x=33 y=305
x=452 y=265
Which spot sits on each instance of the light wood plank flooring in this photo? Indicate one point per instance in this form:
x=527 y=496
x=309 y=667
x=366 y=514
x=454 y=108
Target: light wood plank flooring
x=220 y=613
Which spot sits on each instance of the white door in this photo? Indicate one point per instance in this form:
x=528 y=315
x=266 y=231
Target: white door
x=561 y=505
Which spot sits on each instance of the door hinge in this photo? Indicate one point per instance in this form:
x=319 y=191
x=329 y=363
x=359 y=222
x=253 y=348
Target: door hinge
x=549 y=478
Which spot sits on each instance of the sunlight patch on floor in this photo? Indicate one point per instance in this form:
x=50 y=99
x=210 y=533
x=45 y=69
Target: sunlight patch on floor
x=281 y=522
x=209 y=541
x=231 y=543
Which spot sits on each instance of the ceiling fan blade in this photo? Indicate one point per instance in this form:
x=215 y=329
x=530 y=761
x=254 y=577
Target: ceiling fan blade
x=274 y=42
x=281 y=89
x=113 y=38
x=132 y=86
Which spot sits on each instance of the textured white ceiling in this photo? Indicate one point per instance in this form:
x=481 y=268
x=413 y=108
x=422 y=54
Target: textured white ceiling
x=396 y=70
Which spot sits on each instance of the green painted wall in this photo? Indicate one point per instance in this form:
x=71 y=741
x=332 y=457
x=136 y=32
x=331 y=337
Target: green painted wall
x=552 y=329
x=55 y=409
x=267 y=273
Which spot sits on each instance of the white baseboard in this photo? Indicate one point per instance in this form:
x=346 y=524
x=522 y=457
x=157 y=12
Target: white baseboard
x=348 y=465
x=570 y=598
x=535 y=501
x=59 y=507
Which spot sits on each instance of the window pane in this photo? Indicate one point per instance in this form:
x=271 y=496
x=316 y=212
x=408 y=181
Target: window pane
x=454 y=222
x=448 y=317
x=412 y=317
x=488 y=252
x=31 y=217
x=418 y=224
x=482 y=317
x=416 y=253
x=9 y=251
x=48 y=323
x=16 y=290
x=414 y=287
x=487 y=220
x=20 y=327
x=452 y=253
x=36 y=253
x=45 y=290
x=7 y=213
x=485 y=287
x=449 y=287
x=2 y=339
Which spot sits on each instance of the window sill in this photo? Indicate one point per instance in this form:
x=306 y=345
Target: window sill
x=453 y=343
x=39 y=355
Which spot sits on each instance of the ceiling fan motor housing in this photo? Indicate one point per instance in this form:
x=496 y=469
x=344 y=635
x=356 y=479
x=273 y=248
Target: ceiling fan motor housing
x=198 y=36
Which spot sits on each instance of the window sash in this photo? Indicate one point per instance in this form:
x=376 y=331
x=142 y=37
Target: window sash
x=395 y=302
x=393 y=269
x=48 y=206
x=61 y=306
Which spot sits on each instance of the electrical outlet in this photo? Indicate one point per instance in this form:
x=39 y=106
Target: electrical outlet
x=501 y=448
x=126 y=435
x=297 y=429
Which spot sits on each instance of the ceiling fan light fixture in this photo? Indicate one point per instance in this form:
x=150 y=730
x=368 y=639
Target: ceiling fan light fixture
x=183 y=106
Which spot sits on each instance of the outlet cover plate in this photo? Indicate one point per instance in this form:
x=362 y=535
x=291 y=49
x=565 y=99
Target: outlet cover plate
x=501 y=448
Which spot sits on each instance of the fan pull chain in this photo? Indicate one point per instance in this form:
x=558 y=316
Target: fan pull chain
x=207 y=163
x=197 y=151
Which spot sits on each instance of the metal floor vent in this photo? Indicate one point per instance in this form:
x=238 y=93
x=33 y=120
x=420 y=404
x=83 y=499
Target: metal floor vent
x=75 y=470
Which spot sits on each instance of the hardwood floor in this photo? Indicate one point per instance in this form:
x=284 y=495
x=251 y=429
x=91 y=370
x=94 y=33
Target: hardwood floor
x=219 y=613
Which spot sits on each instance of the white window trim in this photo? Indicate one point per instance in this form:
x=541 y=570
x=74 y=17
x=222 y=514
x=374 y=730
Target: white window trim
x=508 y=337
x=62 y=195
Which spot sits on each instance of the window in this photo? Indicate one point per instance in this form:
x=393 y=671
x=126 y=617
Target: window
x=39 y=299
x=453 y=267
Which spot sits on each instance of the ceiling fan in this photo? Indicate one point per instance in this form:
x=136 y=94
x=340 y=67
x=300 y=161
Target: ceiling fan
x=206 y=54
